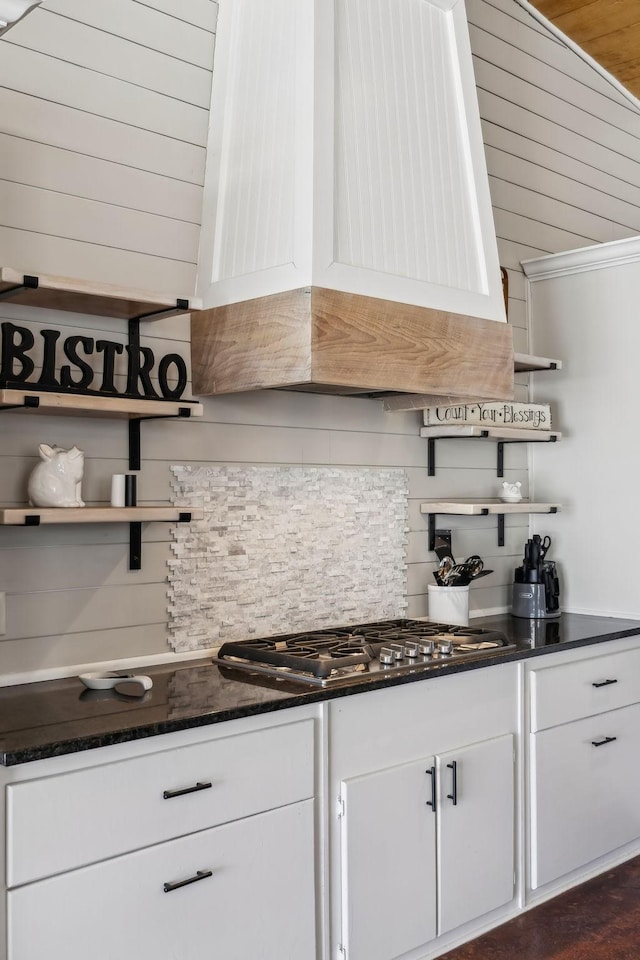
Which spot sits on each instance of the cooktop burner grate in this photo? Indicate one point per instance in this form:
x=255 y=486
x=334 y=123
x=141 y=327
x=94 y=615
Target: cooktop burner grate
x=356 y=652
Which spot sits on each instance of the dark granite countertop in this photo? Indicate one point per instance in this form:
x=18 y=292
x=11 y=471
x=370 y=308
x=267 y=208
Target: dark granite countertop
x=57 y=717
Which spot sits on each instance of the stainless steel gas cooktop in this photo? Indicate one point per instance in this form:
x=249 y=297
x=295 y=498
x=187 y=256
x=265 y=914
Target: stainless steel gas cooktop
x=354 y=653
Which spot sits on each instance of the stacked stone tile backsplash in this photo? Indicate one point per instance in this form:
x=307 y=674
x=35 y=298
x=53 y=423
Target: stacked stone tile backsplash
x=282 y=549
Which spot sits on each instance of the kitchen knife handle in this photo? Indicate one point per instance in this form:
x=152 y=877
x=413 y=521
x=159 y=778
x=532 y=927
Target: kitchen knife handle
x=431 y=772
x=603 y=683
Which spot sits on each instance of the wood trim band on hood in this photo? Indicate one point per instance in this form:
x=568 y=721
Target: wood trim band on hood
x=336 y=342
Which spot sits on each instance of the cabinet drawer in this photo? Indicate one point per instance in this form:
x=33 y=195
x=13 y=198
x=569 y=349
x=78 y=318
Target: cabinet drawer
x=584 y=688
x=258 y=900
x=61 y=822
x=585 y=791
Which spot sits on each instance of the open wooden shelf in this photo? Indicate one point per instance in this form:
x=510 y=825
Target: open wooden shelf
x=80 y=296
x=478 y=508
x=102 y=300
x=472 y=508
x=522 y=363
x=526 y=362
x=492 y=433
x=134 y=516
x=35 y=516
x=73 y=404
x=501 y=434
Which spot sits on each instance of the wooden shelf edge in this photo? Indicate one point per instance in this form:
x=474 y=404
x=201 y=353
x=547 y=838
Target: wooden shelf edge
x=522 y=363
x=526 y=362
x=489 y=433
x=81 y=296
x=20 y=516
x=113 y=407
x=471 y=508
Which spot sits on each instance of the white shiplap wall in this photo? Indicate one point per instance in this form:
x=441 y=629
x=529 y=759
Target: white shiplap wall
x=563 y=152
x=103 y=128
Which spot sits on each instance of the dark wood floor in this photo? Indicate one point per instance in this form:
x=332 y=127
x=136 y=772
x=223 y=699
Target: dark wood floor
x=599 y=920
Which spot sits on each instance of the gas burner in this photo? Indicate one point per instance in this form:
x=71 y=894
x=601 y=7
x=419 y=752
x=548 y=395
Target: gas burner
x=324 y=657
x=313 y=646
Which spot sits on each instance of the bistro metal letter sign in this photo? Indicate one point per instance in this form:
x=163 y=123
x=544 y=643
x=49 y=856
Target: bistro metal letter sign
x=77 y=376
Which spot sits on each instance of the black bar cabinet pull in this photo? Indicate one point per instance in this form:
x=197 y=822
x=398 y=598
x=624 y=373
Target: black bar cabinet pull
x=601 y=743
x=200 y=875
x=604 y=683
x=453 y=796
x=170 y=794
x=431 y=772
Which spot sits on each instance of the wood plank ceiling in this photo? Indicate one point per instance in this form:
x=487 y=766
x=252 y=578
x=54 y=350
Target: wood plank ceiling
x=608 y=30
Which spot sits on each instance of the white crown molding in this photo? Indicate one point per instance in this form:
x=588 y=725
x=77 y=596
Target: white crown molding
x=13 y=10
x=595 y=257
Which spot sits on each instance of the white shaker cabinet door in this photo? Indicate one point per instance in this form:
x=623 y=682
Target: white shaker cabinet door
x=257 y=904
x=475 y=831
x=388 y=862
x=585 y=791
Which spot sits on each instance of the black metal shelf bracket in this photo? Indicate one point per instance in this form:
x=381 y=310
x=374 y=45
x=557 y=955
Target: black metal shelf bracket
x=501 y=443
x=135 y=535
x=133 y=332
x=133 y=329
x=135 y=545
x=432 y=531
x=432 y=523
x=135 y=457
x=31 y=402
x=501 y=525
x=182 y=306
x=28 y=283
x=431 y=449
x=135 y=539
x=134 y=341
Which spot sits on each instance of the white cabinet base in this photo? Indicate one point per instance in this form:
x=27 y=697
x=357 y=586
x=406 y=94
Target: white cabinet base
x=410 y=870
x=585 y=798
x=388 y=862
x=257 y=903
x=476 y=835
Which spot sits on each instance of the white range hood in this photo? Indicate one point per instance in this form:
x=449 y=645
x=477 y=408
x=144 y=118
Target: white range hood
x=346 y=155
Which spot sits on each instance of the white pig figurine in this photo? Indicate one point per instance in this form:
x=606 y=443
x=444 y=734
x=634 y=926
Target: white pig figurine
x=57 y=480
